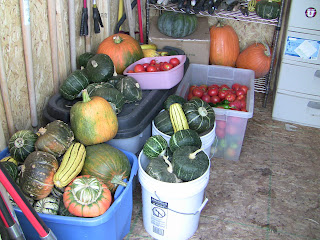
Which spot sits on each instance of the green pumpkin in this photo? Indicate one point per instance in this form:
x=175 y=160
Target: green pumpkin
x=83 y=59
x=185 y=137
x=100 y=68
x=130 y=89
x=47 y=205
x=11 y=168
x=177 y=25
x=115 y=79
x=155 y=146
x=268 y=9
x=173 y=99
x=74 y=84
x=21 y=144
x=163 y=123
x=189 y=163
x=199 y=114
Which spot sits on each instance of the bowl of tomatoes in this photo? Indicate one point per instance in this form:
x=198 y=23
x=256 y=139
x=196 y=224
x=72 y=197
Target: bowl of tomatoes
x=162 y=72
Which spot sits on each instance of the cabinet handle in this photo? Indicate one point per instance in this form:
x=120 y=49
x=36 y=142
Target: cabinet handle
x=312 y=104
x=317 y=74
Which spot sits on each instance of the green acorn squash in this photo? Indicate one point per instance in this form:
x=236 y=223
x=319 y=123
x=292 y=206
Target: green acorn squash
x=74 y=84
x=268 y=9
x=11 y=168
x=84 y=58
x=173 y=99
x=155 y=146
x=163 y=123
x=130 y=89
x=47 y=205
x=185 y=137
x=199 y=114
x=21 y=144
x=189 y=163
x=100 y=68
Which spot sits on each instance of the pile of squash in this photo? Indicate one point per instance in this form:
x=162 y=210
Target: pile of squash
x=70 y=170
x=181 y=160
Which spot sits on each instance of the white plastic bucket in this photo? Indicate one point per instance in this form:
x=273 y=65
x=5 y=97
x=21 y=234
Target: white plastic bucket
x=171 y=210
x=207 y=139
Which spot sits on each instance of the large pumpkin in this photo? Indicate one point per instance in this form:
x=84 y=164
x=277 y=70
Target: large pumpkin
x=108 y=164
x=36 y=180
x=93 y=120
x=224 y=45
x=122 y=49
x=256 y=57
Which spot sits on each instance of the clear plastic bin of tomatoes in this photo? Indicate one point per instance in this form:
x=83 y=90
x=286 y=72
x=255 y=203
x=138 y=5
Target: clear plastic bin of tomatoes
x=155 y=66
x=223 y=96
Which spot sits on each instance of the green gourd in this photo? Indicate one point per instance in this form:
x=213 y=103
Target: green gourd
x=268 y=9
x=21 y=144
x=155 y=146
x=100 y=68
x=163 y=123
x=185 y=137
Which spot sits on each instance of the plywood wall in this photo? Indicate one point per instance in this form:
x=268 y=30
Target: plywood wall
x=11 y=42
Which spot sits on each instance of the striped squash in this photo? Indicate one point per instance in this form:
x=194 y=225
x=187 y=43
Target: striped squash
x=155 y=146
x=177 y=117
x=47 y=205
x=9 y=159
x=71 y=165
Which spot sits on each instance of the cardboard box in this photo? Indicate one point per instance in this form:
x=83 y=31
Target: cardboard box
x=196 y=46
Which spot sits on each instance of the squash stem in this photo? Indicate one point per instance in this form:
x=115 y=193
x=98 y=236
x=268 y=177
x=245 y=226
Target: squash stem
x=203 y=111
x=193 y=155
x=117 y=180
x=170 y=169
x=85 y=96
x=267 y=52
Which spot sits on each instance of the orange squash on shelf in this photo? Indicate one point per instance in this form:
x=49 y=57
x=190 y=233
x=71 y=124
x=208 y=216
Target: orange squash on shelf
x=224 y=45
x=256 y=57
x=122 y=49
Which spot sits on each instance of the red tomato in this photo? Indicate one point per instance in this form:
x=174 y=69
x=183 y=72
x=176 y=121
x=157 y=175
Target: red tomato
x=213 y=91
x=221 y=124
x=222 y=94
x=236 y=86
x=205 y=97
x=215 y=99
x=153 y=62
x=220 y=133
x=213 y=86
x=190 y=95
x=203 y=87
x=192 y=87
x=240 y=92
x=158 y=67
x=231 y=152
x=243 y=103
x=145 y=65
x=244 y=88
x=167 y=66
x=139 y=68
x=244 y=110
x=230 y=97
x=241 y=97
x=151 y=68
x=174 y=61
x=197 y=92
x=224 y=86
x=235 y=104
x=130 y=71
x=232 y=129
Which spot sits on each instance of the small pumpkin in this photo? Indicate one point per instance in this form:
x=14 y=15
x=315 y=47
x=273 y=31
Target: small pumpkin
x=83 y=59
x=99 y=68
x=36 y=180
x=224 y=45
x=267 y=9
x=189 y=163
x=74 y=84
x=256 y=57
x=93 y=120
x=185 y=137
x=108 y=164
x=55 y=138
x=130 y=89
x=87 y=196
x=155 y=146
x=163 y=122
x=177 y=25
x=21 y=144
x=160 y=168
x=92 y=87
x=122 y=49
x=47 y=205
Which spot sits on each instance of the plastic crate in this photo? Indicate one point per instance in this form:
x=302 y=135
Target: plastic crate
x=231 y=124
x=114 y=224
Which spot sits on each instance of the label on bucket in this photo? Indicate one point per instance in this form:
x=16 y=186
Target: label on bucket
x=159 y=215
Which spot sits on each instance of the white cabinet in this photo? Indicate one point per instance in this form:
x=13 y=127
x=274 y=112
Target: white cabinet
x=297 y=98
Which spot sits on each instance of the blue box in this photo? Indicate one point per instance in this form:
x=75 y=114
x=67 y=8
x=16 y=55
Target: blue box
x=114 y=224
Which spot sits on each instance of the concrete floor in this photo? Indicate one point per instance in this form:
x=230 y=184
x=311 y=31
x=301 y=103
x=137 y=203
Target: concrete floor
x=272 y=192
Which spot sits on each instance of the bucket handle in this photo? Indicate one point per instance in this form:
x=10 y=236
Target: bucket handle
x=199 y=210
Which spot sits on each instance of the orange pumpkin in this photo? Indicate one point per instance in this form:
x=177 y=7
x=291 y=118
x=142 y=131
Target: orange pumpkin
x=224 y=45
x=93 y=120
x=122 y=49
x=256 y=57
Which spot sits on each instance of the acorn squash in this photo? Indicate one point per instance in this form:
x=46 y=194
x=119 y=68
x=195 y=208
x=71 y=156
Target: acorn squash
x=99 y=68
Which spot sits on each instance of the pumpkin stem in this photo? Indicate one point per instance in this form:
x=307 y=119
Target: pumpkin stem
x=41 y=131
x=94 y=63
x=193 y=155
x=117 y=39
x=114 y=71
x=202 y=111
x=169 y=169
x=117 y=180
x=85 y=96
x=267 y=52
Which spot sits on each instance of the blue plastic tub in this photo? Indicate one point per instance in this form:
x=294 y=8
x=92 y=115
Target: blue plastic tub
x=114 y=224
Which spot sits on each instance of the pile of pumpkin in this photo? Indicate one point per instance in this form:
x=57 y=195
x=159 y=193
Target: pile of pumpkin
x=101 y=73
x=70 y=170
x=183 y=159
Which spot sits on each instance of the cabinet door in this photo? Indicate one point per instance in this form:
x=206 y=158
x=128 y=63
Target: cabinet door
x=304 y=14
x=299 y=78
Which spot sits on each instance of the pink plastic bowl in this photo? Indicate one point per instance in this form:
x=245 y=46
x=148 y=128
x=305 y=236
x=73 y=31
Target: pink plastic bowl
x=158 y=80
